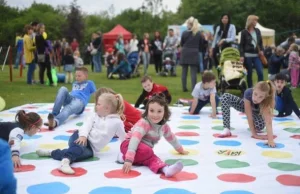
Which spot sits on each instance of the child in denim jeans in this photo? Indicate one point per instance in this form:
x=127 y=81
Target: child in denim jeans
x=73 y=102
x=69 y=63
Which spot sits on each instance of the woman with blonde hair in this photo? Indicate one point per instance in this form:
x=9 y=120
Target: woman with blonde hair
x=250 y=48
x=190 y=42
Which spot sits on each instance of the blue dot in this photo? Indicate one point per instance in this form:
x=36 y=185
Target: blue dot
x=48 y=188
x=227 y=143
x=244 y=118
x=173 y=191
x=32 y=137
x=43 y=112
x=110 y=190
x=62 y=137
x=282 y=119
x=114 y=140
x=236 y=192
x=190 y=117
x=13 y=111
x=263 y=145
x=187 y=142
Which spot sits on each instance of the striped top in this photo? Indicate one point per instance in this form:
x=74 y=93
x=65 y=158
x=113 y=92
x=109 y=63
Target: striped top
x=149 y=133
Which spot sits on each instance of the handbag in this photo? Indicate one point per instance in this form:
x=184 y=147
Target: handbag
x=262 y=57
x=41 y=58
x=94 y=51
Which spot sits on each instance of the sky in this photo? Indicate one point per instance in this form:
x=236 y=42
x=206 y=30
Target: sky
x=95 y=6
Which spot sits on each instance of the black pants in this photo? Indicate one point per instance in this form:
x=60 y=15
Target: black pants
x=43 y=67
x=184 y=76
x=157 y=58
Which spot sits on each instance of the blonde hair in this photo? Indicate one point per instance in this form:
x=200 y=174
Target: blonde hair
x=294 y=47
x=269 y=102
x=103 y=90
x=77 y=53
x=250 y=20
x=115 y=101
x=194 y=24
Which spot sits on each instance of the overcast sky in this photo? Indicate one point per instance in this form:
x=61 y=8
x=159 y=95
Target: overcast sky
x=94 y=6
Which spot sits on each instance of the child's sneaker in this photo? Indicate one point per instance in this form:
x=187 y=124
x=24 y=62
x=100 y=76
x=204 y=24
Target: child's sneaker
x=65 y=167
x=43 y=153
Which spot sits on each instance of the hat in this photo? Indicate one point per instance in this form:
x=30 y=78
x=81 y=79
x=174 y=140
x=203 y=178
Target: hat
x=168 y=59
x=110 y=50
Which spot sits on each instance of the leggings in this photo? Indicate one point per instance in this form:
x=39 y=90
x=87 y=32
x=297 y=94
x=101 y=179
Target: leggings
x=229 y=100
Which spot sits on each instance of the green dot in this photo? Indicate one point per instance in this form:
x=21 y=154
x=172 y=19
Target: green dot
x=79 y=124
x=284 y=166
x=189 y=127
x=33 y=156
x=185 y=162
x=220 y=128
x=91 y=159
x=232 y=164
x=292 y=130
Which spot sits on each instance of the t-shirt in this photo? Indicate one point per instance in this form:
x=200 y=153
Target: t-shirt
x=83 y=90
x=201 y=93
x=248 y=95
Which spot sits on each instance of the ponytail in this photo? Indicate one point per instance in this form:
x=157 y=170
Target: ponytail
x=269 y=102
x=194 y=25
x=120 y=106
x=28 y=120
x=115 y=101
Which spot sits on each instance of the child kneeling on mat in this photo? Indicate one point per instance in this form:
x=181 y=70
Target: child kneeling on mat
x=137 y=149
x=96 y=133
x=258 y=104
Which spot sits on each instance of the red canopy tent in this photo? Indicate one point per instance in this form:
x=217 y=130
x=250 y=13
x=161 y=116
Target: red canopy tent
x=110 y=37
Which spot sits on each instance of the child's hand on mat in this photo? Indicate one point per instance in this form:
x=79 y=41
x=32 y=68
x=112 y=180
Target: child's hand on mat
x=185 y=152
x=271 y=144
x=213 y=115
x=81 y=140
x=262 y=137
x=127 y=167
x=17 y=162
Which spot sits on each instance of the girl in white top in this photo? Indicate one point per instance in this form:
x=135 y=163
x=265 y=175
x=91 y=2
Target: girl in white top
x=96 y=133
x=133 y=45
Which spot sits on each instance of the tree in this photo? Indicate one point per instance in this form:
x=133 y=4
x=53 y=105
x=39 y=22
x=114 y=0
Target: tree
x=3 y=3
x=155 y=6
x=75 y=25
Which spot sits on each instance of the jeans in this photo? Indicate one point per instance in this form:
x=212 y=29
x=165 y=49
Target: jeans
x=146 y=61
x=250 y=62
x=184 y=76
x=18 y=59
x=202 y=103
x=31 y=68
x=201 y=66
x=75 y=152
x=71 y=105
x=97 y=62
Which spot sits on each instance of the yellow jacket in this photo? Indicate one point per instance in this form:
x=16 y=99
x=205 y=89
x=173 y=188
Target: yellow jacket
x=28 y=49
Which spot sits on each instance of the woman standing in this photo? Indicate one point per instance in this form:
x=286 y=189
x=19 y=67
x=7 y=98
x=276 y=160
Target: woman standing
x=133 y=45
x=157 y=52
x=224 y=36
x=144 y=47
x=250 y=48
x=190 y=43
x=97 y=55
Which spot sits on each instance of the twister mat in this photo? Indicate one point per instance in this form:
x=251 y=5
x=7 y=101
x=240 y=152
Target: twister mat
x=236 y=165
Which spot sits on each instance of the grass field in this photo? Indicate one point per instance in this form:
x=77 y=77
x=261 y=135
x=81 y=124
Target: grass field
x=18 y=92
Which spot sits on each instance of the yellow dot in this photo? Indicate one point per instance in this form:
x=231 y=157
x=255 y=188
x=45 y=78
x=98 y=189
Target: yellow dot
x=217 y=121
x=105 y=149
x=190 y=122
x=23 y=144
x=7 y=115
x=54 y=146
x=288 y=124
x=276 y=154
x=192 y=152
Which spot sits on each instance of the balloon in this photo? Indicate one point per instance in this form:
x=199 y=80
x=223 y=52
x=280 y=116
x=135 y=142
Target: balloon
x=2 y=103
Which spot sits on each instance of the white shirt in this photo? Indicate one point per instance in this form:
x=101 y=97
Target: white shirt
x=16 y=135
x=133 y=45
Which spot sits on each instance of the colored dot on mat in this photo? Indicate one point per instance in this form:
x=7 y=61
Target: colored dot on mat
x=114 y=140
x=62 y=137
x=54 y=146
x=276 y=154
x=189 y=122
x=241 y=113
x=227 y=143
x=264 y=145
x=188 y=127
x=87 y=109
x=192 y=152
x=31 y=137
x=23 y=144
x=29 y=107
x=25 y=168
x=282 y=119
x=119 y=174
x=244 y=118
x=33 y=156
x=110 y=190
x=284 y=166
x=289 y=180
x=188 y=142
x=91 y=159
x=295 y=136
x=236 y=178
x=230 y=152
x=173 y=191
x=187 y=134
x=72 y=130
x=43 y=112
x=217 y=121
x=237 y=192
x=79 y=124
x=232 y=164
x=217 y=135
x=45 y=129
x=288 y=124
x=182 y=176
x=185 y=162
x=220 y=128
x=190 y=117
x=13 y=111
x=78 y=172
x=48 y=188
x=292 y=130
x=105 y=149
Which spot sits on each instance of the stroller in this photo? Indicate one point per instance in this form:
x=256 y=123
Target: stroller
x=168 y=63
x=233 y=74
x=134 y=59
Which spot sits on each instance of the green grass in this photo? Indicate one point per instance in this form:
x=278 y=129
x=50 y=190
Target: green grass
x=17 y=93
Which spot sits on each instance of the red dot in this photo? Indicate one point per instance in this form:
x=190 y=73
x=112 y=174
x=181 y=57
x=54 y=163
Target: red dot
x=187 y=134
x=71 y=131
x=236 y=178
x=78 y=172
x=50 y=108
x=289 y=180
x=121 y=175
x=45 y=129
x=241 y=113
x=219 y=113
x=296 y=136
x=25 y=168
x=30 y=107
x=217 y=135
x=182 y=176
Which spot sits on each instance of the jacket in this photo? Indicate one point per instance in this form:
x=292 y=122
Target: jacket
x=246 y=45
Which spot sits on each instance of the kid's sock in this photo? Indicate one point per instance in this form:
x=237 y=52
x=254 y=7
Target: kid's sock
x=43 y=153
x=65 y=167
x=173 y=169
